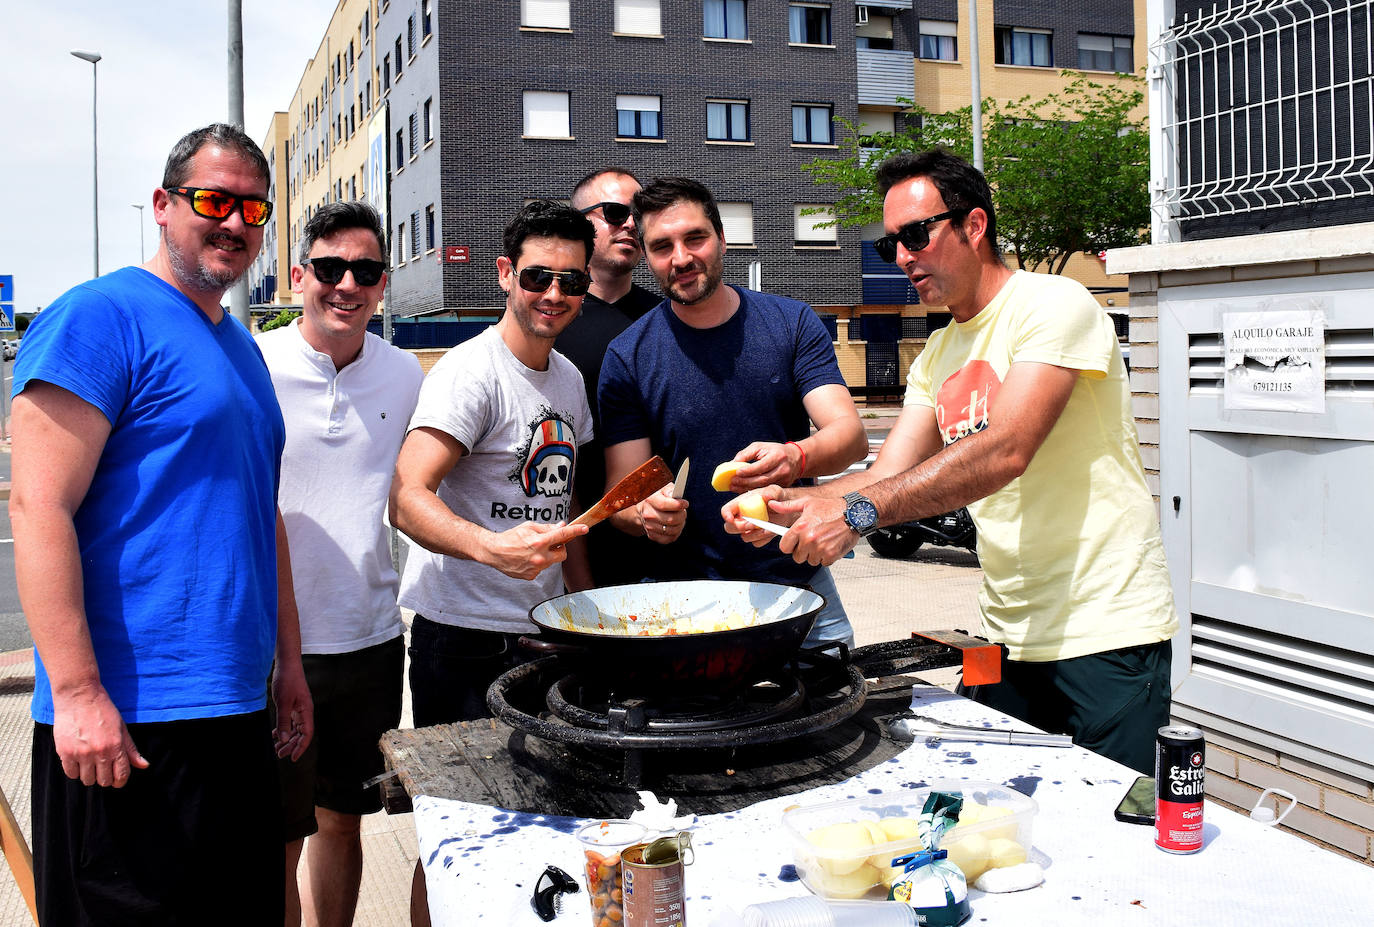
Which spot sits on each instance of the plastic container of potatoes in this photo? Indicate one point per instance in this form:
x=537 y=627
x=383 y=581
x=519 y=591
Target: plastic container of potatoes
x=844 y=849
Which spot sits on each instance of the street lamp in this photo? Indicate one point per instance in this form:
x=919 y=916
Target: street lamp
x=93 y=57
x=139 y=207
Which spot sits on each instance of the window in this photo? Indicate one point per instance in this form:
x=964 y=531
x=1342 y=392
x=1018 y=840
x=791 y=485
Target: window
x=938 y=40
x=400 y=150
x=738 y=222
x=808 y=228
x=724 y=19
x=414 y=136
x=386 y=73
x=350 y=56
x=727 y=120
x=1030 y=47
x=410 y=36
x=401 y=244
x=362 y=100
x=545 y=14
x=429 y=120
x=398 y=57
x=429 y=227
x=415 y=234
x=426 y=18
x=546 y=114
x=638 y=17
x=876 y=32
x=1104 y=53
x=367 y=24
x=636 y=116
x=808 y=24
x=810 y=124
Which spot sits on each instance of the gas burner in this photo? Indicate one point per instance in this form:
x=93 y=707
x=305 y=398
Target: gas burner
x=779 y=708
x=595 y=708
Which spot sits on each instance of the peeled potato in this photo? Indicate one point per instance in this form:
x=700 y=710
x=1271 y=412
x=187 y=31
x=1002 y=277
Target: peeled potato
x=845 y=846
x=969 y=853
x=1004 y=852
x=720 y=480
x=891 y=874
x=1005 y=830
x=752 y=505
x=850 y=885
x=899 y=828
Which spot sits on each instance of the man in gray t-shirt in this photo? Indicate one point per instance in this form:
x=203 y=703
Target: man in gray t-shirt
x=483 y=483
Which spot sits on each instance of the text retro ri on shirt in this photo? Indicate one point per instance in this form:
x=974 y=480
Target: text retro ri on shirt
x=543 y=470
x=961 y=405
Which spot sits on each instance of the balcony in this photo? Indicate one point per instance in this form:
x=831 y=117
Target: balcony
x=885 y=75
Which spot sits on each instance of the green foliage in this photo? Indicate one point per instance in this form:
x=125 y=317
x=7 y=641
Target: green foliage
x=22 y=320
x=1069 y=172
x=285 y=317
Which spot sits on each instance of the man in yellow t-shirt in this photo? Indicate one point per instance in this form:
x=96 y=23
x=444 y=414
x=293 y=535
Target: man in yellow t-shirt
x=1019 y=409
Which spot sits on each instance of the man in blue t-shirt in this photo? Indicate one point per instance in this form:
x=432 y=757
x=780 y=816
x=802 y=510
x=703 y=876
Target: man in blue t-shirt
x=153 y=572
x=719 y=373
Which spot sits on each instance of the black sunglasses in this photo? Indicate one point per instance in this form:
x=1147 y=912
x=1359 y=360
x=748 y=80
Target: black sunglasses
x=615 y=213
x=330 y=270
x=539 y=279
x=914 y=236
x=216 y=204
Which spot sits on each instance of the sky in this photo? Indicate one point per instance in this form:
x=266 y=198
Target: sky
x=163 y=72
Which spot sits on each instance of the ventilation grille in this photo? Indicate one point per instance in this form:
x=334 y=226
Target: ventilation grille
x=1297 y=670
x=1349 y=363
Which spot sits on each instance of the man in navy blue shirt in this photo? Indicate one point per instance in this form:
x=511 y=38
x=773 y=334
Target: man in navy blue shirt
x=720 y=373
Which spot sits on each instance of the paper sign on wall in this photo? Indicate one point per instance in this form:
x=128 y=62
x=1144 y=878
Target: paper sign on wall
x=1276 y=359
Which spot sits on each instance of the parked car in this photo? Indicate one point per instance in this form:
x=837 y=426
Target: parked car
x=11 y=348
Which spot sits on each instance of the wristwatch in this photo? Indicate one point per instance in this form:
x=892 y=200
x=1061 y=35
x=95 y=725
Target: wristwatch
x=860 y=513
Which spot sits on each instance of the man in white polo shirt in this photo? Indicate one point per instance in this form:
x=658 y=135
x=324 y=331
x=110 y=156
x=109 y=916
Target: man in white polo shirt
x=347 y=397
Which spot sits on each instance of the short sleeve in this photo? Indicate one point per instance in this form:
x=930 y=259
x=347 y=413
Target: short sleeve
x=1063 y=325
x=815 y=364
x=919 y=390
x=454 y=399
x=83 y=343
x=617 y=396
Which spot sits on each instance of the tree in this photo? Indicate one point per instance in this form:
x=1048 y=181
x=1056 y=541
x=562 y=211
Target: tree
x=1069 y=172
x=285 y=317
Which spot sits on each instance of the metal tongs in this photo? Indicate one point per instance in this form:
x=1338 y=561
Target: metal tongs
x=910 y=726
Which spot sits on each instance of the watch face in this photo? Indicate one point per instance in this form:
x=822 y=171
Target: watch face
x=861 y=515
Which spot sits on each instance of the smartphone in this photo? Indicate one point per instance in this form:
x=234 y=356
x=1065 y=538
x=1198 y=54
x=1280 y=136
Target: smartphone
x=1138 y=804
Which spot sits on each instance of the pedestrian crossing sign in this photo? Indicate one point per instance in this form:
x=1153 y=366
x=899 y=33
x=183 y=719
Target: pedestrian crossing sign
x=6 y=302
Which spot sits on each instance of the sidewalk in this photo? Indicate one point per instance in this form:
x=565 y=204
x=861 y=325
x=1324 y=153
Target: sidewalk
x=886 y=600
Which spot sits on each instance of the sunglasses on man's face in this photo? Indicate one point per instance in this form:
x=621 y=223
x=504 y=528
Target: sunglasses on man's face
x=539 y=279
x=615 y=213
x=216 y=204
x=330 y=270
x=914 y=236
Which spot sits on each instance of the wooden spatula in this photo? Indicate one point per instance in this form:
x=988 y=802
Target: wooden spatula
x=638 y=485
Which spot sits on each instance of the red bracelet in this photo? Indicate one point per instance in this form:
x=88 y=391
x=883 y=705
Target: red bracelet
x=802 y=472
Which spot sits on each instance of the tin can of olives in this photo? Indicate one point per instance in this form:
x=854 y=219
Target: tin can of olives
x=653 y=879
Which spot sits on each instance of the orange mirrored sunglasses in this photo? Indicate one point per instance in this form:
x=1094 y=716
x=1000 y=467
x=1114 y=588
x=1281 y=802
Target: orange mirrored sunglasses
x=216 y=204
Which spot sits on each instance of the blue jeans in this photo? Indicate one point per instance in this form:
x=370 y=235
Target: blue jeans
x=832 y=624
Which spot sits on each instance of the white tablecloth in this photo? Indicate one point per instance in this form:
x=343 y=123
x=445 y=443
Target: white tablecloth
x=481 y=863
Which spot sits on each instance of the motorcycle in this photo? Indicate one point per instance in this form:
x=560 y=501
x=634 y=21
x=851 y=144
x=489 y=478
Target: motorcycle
x=953 y=529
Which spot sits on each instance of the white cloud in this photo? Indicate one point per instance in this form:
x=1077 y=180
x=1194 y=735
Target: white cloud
x=164 y=71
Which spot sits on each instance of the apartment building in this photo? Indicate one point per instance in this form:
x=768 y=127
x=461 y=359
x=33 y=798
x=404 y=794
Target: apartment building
x=463 y=112
x=320 y=145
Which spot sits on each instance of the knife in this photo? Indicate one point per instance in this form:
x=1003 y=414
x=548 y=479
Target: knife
x=680 y=482
x=779 y=530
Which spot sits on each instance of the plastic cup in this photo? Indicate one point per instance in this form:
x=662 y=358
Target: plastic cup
x=602 y=842
x=817 y=912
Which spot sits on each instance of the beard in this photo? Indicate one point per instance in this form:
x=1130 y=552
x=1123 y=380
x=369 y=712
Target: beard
x=711 y=274
x=196 y=276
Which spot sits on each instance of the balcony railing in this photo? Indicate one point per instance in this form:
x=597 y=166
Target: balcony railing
x=885 y=75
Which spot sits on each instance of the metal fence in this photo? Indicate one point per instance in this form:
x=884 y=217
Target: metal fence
x=1263 y=106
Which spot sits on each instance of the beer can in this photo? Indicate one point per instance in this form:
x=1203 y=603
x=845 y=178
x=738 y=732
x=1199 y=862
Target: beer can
x=652 y=882
x=1180 y=755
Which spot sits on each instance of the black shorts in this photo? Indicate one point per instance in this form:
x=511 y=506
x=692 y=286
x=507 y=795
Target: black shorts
x=1112 y=703
x=357 y=699
x=193 y=839
x=451 y=668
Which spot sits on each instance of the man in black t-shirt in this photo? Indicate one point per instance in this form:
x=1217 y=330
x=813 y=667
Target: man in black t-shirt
x=612 y=303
